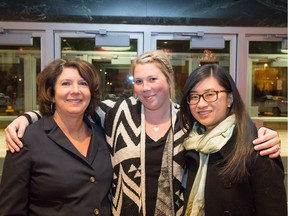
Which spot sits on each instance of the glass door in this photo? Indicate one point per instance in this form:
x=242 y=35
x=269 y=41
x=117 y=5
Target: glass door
x=185 y=59
x=19 y=65
x=113 y=63
x=267 y=65
x=267 y=85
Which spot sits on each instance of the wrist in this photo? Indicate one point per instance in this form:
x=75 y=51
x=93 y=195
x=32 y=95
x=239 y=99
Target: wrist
x=28 y=117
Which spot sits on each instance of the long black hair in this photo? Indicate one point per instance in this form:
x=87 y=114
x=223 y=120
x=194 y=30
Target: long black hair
x=236 y=168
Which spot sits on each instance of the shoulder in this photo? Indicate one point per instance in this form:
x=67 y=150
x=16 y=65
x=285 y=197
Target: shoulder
x=35 y=134
x=35 y=127
x=95 y=127
x=122 y=104
x=266 y=164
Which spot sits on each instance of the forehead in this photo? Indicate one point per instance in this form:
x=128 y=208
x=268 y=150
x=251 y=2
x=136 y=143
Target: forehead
x=68 y=72
x=208 y=83
x=147 y=69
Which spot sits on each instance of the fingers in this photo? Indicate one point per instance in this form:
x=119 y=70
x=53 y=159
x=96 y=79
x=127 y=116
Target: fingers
x=264 y=142
x=273 y=152
x=10 y=148
x=265 y=135
x=275 y=155
x=12 y=132
x=262 y=131
x=12 y=145
x=21 y=131
x=268 y=142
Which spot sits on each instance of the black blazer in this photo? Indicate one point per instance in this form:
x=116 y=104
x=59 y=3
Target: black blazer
x=50 y=177
x=262 y=194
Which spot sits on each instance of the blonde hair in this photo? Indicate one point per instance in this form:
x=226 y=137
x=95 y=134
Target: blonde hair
x=162 y=61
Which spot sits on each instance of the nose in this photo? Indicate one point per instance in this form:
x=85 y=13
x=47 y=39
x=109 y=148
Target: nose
x=146 y=86
x=75 y=88
x=201 y=102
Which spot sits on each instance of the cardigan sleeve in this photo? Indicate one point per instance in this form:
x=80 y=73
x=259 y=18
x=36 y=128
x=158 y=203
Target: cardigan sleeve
x=107 y=106
x=267 y=181
x=32 y=116
x=101 y=111
x=15 y=183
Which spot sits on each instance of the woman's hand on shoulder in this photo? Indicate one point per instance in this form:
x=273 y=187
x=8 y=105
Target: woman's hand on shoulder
x=268 y=142
x=14 y=131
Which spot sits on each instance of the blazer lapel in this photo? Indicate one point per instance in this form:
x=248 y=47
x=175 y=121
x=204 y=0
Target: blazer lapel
x=98 y=136
x=59 y=138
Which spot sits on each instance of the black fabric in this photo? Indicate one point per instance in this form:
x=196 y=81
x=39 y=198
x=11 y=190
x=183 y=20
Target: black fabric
x=154 y=152
x=263 y=193
x=49 y=177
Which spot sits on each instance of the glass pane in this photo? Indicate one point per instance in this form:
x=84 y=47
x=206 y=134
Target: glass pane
x=113 y=63
x=269 y=78
x=185 y=60
x=268 y=71
x=18 y=67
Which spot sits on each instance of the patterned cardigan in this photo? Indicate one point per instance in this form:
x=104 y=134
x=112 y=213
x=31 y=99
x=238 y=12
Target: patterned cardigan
x=124 y=123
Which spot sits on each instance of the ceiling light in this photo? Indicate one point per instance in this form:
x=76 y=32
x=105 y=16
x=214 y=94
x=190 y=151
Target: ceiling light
x=108 y=48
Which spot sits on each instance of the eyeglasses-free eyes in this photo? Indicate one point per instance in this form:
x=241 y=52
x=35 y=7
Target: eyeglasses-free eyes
x=209 y=96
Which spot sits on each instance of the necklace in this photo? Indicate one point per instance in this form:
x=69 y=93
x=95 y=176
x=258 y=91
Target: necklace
x=156 y=128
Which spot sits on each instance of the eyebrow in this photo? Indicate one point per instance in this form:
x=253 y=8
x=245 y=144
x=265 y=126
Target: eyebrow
x=206 y=90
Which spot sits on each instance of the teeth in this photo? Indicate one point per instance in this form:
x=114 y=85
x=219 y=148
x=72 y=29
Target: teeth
x=204 y=112
x=74 y=100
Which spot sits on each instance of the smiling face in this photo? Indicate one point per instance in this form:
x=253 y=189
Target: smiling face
x=151 y=86
x=210 y=114
x=72 y=94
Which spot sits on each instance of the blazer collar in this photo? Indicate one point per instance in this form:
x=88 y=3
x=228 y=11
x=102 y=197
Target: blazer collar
x=59 y=138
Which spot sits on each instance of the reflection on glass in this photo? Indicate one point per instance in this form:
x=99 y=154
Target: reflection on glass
x=113 y=63
x=185 y=60
x=18 y=63
x=269 y=78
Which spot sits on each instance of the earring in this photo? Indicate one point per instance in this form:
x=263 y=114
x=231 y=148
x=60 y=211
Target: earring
x=52 y=108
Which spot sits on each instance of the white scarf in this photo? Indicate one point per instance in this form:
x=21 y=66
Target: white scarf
x=205 y=144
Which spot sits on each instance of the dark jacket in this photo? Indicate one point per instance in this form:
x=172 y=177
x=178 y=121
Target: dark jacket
x=50 y=177
x=262 y=194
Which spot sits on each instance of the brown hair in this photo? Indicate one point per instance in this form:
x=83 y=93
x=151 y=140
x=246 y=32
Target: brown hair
x=47 y=78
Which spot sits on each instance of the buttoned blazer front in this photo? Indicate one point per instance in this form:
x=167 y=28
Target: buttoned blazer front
x=262 y=194
x=50 y=177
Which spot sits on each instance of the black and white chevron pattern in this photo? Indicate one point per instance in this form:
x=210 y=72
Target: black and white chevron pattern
x=123 y=121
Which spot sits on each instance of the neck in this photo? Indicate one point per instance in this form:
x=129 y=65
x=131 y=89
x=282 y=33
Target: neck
x=69 y=124
x=157 y=122
x=158 y=116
